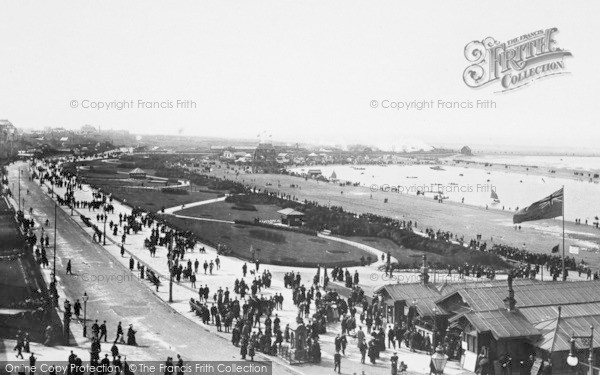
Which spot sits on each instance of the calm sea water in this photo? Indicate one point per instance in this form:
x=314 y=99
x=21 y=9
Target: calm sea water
x=475 y=185
x=583 y=163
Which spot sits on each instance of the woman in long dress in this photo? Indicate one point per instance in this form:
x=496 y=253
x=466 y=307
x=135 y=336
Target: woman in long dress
x=131 y=336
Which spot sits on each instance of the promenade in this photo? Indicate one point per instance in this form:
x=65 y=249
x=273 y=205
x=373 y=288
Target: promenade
x=88 y=273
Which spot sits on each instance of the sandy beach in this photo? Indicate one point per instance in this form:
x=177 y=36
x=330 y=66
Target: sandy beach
x=463 y=220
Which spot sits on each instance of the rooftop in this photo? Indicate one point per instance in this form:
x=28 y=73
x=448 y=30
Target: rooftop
x=538 y=294
x=501 y=324
x=556 y=333
x=290 y=212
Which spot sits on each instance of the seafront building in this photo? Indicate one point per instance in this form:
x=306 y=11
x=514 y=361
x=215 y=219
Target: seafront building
x=504 y=322
x=8 y=139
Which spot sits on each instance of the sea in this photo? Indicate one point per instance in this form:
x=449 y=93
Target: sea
x=580 y=163
x=472 y=185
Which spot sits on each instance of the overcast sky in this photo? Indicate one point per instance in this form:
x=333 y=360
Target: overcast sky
x=298 y=70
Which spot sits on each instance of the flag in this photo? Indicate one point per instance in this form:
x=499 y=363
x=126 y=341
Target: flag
x=555 y=249
x=573 y=249
x=547 y=208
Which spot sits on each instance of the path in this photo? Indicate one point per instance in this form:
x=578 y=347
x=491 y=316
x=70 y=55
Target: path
x=174 y=209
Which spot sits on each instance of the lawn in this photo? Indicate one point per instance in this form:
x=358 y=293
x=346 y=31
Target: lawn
x=154 y=200
x=274 y=246
x=131 y=192
x=225 y=211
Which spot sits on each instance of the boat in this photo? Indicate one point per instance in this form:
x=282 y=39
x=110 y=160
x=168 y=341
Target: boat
x=494 y=196
x=437 y=168
x=359 y=168
x=412 y=177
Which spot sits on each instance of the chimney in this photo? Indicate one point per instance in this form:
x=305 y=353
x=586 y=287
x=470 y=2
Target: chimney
x=424 y=271
x=510 y=301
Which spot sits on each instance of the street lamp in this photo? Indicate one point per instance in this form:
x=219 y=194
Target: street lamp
x=433 y=339
x=439 y=359
x=85 y=299
x=19 y=200
x=55 y=222
x=105 y=218
x=572 y=360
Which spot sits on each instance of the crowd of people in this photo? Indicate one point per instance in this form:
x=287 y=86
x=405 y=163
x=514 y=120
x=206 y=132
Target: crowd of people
x=252 y=319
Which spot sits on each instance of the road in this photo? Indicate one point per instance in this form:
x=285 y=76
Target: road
x=161 y=332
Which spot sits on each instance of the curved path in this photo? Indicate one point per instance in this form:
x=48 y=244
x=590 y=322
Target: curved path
x=172 y=210
x=378 y=253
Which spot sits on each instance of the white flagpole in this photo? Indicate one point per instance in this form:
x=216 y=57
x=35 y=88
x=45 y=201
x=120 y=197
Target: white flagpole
x=563 y=235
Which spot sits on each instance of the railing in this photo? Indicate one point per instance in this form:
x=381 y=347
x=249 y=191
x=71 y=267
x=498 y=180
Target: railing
x=585 y=369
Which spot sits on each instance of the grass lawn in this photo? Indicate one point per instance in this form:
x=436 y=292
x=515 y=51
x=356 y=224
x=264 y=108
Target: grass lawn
x=276 y=246
x=132 y=193
x=224 y=211
x=154 y=200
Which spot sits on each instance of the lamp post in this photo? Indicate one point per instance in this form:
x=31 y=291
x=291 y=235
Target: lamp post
x=433 y=339
x=572 y=360
x=171 y=287
x=19 y=201
x=54 y=266
x=104 y=240
x=439 y=359
x=85 y=299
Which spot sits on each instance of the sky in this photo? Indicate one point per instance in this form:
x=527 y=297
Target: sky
x=305 y=71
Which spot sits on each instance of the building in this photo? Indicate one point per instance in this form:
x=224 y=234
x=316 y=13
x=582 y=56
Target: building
x=314 y=173
x=505 y=321
x=228 y=155
x=283 y=158
x=265 y=153
x=137 y=174
x=8 y=139
x=291 y=217
x=527 y=318
x=466 y=150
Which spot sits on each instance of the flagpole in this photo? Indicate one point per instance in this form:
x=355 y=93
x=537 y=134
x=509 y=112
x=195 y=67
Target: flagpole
x=563 y=235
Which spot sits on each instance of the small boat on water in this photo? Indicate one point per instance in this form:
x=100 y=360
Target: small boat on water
x=359 y=168
x=412 y=177
x=461 y=175
x=495 y=198
x=437 y=168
